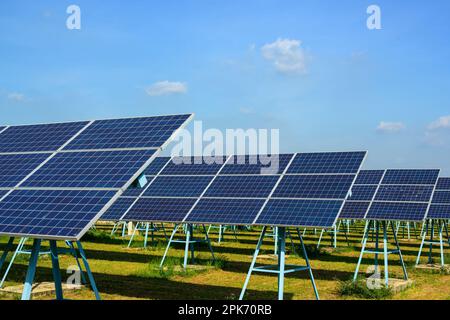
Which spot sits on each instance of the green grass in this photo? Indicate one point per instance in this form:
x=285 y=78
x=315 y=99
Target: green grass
x=360 y=289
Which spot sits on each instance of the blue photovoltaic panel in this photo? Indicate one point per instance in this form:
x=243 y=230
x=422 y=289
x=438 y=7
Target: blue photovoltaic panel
x=300 y=213
x=441 y=197
x=50 y=213
x=147 y=132
x=160 y=209
x=134 y=192
x=369 y=177
x=314 y=186
x=331 y=162
x=194 y=166
x=397 y=211
x=439 y=211
x=242 y=186
x=156 y=166
x=15 y=167
x=3 y=192
x=405 y=193
x=443 y=184
x=404 y=176
x=117 y=210
x=107 y=169
x=43 y=137
x=274 y=164
x=363 y=192
x=178 y=186
x=354 y=210
x=225 y=211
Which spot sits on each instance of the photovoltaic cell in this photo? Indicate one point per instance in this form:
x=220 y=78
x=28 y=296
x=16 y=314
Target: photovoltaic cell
x=225 y=211
x=305 y=213
x=156 y=166
x=405 y=176
x=354 y=210
x=405 y=193
x=254 y=164
x=363 y=192
x=50 y=213
x=439 y=211
x=314 y=186
x=331 y=162
x=116 y=211
x=242 y=186
x=34 y=138
x=146 y=132
x=441 y=197
x=3 y=192
x=369 y=177
x=194 y=166
x=160 y=209
x=178 y=186
x=107 y=169
x=15 y=167
x=443 y=184
x=397 y=211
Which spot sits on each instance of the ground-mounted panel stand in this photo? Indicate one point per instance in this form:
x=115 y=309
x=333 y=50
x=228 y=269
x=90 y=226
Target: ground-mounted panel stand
x=190 y=241
x=429 y=229
x=120 y=225
x=222 y=230
x=333 y=234
x=145 y=228
x=281 y=268
x=76 y=251
x=376 y=227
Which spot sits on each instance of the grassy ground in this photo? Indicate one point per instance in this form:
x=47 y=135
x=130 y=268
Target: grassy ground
x=133 y=273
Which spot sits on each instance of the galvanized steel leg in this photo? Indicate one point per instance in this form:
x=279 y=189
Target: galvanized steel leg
x=56 y=270
x=305 y=255
x=88 y=270
x=365 y=238
x=281 y=260
x=386 y=258
x=26 y=293
x=400 y=255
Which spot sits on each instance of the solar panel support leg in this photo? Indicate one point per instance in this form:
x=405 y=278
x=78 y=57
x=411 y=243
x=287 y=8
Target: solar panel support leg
x=26 y=293
x=320 y=238
x=366 y=230
x=423 y=234
x=147 y=227
x=281 y=260
x=186 y=248
x=56 y=270
x=441 y=242
x=133 y=234
x=386 y=257
x=252 y=265
x=75 y=255
x=308 y=265
x=208 y=241
x=88 y=270
x=400 y=255
x=377 y=247
x=430 y=253
x=364 y=243
x=175 y=229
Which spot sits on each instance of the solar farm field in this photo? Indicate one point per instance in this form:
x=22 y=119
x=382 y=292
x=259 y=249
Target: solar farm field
x=133 y=273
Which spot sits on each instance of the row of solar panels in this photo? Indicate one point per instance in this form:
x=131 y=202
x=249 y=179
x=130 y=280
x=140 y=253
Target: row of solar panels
x=57 y=179
x=304 y=191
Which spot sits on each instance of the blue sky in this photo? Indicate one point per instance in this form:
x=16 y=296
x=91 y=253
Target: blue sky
x=336 y=86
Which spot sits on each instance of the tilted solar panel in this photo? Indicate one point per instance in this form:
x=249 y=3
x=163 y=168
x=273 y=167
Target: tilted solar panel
x=106 y=169
x=177 y=186
x=242 y=186
x=405 y=211
x=3 y=192
x=331 y=162
x=441 y=197
x=146 y=132
x=363 y=192
x=254 y=164
x=35 y=138
x=354 y=210
x=116 y=211
x=194 y=166
x=411 y=176
x=443 y=184
x=50 y=213
x=440 y=207
x=160 y=209
x=372 y=177
x=405 y=193
x=439 y=211
x=15 y=167
x=156 y=166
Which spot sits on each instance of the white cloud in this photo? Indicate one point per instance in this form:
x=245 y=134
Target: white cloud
x=286 y=54
x=163 y=88
x=17 y=97
x=441 y=123
x=390 y=127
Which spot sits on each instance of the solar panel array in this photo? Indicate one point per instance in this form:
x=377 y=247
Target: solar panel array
x=440 y=205
x=57 y=179
x=304 y=189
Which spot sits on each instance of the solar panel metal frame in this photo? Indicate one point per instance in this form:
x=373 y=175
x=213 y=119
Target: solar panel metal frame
x=439 y=204
x=119 y=191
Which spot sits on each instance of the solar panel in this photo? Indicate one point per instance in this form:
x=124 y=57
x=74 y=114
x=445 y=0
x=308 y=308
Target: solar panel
x=116 y=211
x=354 y=210
x=51 y=213
x=331 y=162
x=147 y=132
x=35 y=138
x=155 y=167
x=363 y=192
x=106 y=169
x=3 y=192
x=15 y=167
x=405 y=211
x=404 y=193
x=314 y=186
x=369 y=177
x=194 y=166
x=443 y=184
x=305 y=213
x=441 y=197
x=225 y=211
x=411 y=176
x=160 y=209
x=439 y=211
x=178 y=186
x=254 y=164
x=242 y=186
